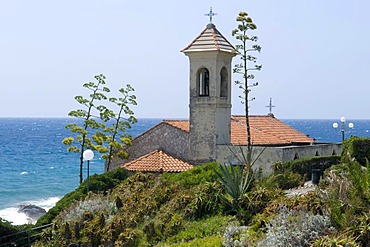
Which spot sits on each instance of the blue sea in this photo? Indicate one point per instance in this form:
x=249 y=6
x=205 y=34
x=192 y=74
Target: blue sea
x=35 y=167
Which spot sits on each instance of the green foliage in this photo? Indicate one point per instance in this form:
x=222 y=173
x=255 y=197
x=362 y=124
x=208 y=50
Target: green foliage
x=235 y=184
x=6 y=228
x=256 y=200
x=346 y=193
x=339 y=239
x=116 y=137
x=176 y=210
x=98 y=184
x=287 y=180
x=94 y=133
x=192 y=177
x=7 y=231
x=304 y=166
x=208 y=241
x=83 y=139
x=295 y=228
x=186 y=209
x=356 y=147
x=360 y=178
x=245 y=25
x=200 y=229
x=235 y=235
x=153 y=210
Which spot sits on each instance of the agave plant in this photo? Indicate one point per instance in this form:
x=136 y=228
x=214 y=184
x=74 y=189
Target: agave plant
x=235 y=184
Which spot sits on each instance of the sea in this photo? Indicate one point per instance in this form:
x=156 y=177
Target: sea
x=37 y=169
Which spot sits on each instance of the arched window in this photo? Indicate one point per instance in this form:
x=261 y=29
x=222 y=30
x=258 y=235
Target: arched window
x=203 y=82
x=223 y=83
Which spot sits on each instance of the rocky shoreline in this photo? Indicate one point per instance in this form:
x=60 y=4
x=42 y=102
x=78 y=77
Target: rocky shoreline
x=32 y=212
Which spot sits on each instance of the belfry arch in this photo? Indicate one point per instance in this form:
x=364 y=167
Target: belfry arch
x=223 y=83
x=203 y=82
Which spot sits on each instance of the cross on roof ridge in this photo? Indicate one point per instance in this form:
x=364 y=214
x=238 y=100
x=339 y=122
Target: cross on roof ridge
x=270 y=106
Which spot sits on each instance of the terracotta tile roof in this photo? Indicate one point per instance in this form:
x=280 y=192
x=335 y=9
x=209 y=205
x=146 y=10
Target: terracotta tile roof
x=180 y=124
x=210 y=39
x=265 y=130
x=157 y=161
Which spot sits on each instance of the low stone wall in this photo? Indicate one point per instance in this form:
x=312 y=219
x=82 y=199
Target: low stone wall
x=297 y=152
x=161 y=137
x=267 y=156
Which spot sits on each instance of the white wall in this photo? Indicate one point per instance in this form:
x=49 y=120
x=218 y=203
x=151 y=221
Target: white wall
x=267 y=156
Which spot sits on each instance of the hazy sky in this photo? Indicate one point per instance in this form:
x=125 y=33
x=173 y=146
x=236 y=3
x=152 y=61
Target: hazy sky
x=315 y=54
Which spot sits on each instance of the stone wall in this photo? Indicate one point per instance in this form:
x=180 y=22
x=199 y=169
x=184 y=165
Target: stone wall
x=161 y=137
x=297 y=152
x=270 y=155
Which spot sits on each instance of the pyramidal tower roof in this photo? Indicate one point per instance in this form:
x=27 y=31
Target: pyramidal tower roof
x=210 y=39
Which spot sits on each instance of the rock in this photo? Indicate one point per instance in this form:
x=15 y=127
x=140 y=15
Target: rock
x=307 y=187
x=32 y=211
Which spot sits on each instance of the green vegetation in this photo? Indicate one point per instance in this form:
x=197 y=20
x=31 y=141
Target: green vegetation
x=17 y=234
x=236 y=185
x=189 y=209
x=94 y=132
x=296 y=172
x=245 y=25
x=98 y=184
x=357 y=148
x=142 y=210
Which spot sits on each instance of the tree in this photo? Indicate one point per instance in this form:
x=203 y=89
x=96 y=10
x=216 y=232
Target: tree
x=244 y=49
x=89 y=120
x=95 y=133
x=110 y=135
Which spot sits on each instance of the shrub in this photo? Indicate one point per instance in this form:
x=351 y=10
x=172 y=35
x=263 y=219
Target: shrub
x=93 y=204
x=346 y=193
x=99 y=183
x=356 y=147
x=154 y=210
x=304 y=166
x=339 y=239
x=197 y=175
x=362 y=229
x=6 y=229
x=295 y=228
x=235 y=235
x=288 y=180
x=200 y=229
x=209 y=241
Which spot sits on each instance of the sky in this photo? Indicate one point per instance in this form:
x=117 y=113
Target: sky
x=315 y=54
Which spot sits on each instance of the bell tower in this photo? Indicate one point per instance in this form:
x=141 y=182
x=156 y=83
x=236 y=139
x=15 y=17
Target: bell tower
x=210 y=56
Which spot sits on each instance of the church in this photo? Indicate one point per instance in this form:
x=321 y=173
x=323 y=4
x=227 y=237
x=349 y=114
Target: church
x=212 y=133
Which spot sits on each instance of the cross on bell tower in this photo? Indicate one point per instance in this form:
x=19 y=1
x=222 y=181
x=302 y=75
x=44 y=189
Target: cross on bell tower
x=210 y=14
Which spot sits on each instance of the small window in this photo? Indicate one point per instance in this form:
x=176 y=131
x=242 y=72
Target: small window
x=203 y=82
x=296 y=156
x=223 y=84
x=317 y=153
x=334 y=153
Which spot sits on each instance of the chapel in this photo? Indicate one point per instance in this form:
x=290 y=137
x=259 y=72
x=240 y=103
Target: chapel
x=212 y=133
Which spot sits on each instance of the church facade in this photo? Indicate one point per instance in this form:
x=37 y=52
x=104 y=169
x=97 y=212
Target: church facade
x=212 y=133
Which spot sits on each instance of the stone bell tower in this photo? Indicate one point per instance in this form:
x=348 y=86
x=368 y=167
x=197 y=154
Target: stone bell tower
x=210 y=56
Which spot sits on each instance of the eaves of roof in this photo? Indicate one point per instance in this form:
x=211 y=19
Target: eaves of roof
x=157 y=161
